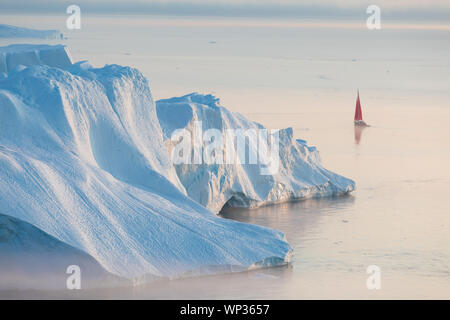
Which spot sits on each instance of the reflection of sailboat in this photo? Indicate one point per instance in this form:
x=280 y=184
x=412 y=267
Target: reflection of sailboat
x=358 y=114
x=358 y=132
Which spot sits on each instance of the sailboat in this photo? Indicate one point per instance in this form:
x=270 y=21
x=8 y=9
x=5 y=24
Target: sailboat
x=358 y=114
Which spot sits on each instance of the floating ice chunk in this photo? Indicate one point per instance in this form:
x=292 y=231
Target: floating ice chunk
x=300 y=174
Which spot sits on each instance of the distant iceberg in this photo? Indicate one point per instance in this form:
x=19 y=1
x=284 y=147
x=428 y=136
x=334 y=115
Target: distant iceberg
x=82 y=158
x=9 y=31
x=299 y=174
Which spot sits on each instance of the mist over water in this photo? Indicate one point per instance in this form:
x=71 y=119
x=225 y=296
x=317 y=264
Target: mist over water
x=289 y=75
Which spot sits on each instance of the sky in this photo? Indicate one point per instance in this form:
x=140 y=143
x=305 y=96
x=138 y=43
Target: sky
x=404 y=9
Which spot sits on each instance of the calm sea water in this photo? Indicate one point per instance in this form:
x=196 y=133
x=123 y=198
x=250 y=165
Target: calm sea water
x=305 y=75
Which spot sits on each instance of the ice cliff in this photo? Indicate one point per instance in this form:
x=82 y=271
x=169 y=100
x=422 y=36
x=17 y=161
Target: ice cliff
x=297 y=171
x=82 y=158
x=17 y=56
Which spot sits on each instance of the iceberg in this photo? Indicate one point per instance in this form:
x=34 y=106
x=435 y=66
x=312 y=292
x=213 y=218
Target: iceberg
x=82 y=158
x=298 y=175
x=9 y=31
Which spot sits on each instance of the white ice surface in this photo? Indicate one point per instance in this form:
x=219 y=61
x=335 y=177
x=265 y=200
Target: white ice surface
x=16 y=55
x=82 y=158
x=300 y=173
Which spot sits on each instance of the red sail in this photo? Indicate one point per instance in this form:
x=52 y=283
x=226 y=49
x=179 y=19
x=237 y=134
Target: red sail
x=358 y=112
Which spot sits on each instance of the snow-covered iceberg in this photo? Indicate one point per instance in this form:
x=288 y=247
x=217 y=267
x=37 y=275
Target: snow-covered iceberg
x=9 y=31
x=82 y=158
x=298 y=172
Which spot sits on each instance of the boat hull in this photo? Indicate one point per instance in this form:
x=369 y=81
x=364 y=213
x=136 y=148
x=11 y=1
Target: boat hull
x=361 y=123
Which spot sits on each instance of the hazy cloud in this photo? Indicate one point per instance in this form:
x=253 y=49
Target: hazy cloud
x=413 y=9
